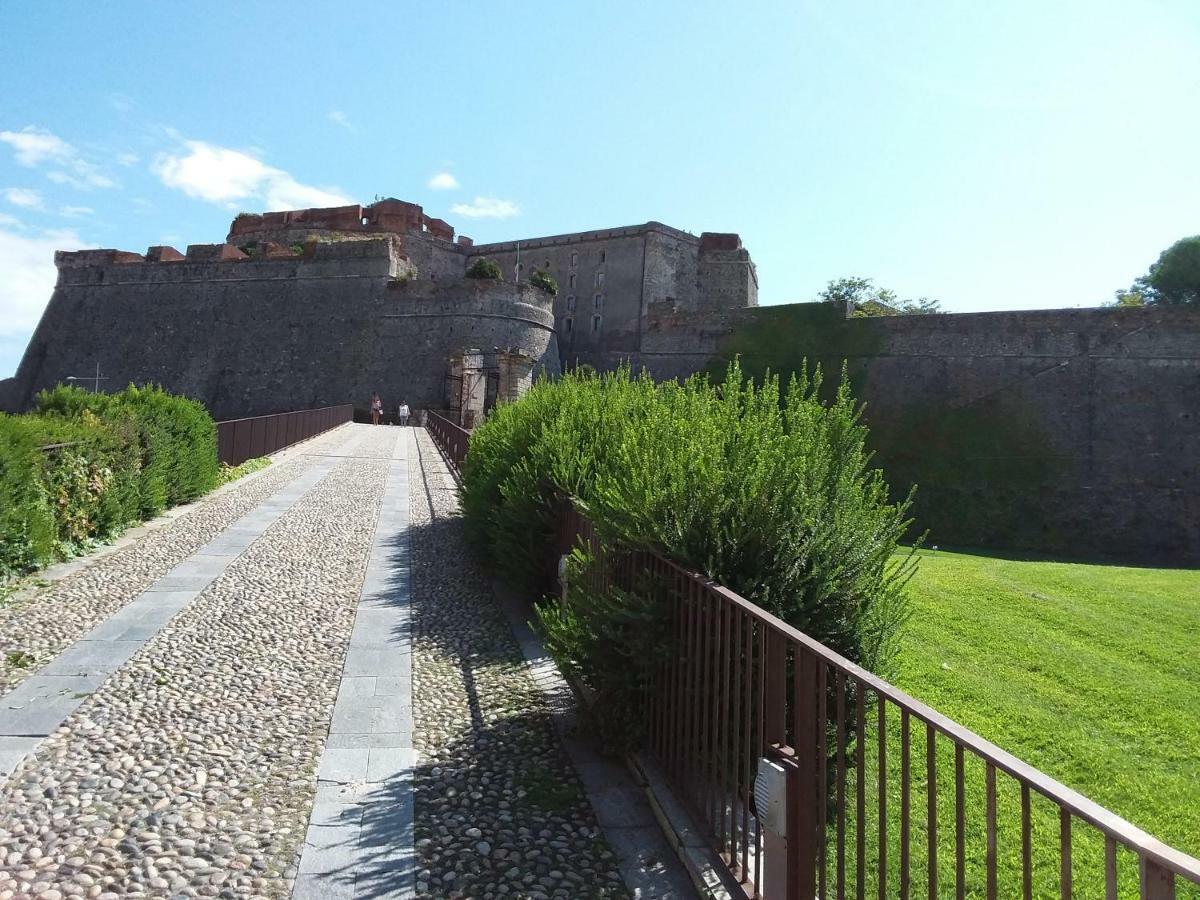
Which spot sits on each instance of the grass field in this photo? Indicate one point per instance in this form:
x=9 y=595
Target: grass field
x=1090 y=673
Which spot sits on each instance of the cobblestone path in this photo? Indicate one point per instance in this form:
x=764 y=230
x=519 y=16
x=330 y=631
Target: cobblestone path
x=499 y=810
x=189 y=766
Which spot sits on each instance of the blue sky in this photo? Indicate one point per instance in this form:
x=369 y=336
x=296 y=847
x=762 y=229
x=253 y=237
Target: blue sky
x=994 y=156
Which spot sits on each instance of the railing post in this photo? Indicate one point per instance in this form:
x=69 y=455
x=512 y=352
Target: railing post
x=804 y=815
x=778 y=873
x=1157 y=883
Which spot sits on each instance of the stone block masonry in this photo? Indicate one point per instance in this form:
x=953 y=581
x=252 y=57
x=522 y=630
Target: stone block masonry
x=253 y=336
x=1065 y=432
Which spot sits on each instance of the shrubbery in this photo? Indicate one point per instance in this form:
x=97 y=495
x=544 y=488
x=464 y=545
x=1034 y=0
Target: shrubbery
x=485 y=268
x=770 y=493
x=121 y=458
x=545 y=281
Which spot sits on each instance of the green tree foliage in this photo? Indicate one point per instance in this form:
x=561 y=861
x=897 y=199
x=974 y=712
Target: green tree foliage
x=1174 y=279
x=1133 y=298
x=768 y=491
x=545 y=281
x=865 y=299
x=485 y=268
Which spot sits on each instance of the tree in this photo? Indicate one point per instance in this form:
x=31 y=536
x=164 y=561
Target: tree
x=864 y=299
x=1133 y=298
x=1175 y=278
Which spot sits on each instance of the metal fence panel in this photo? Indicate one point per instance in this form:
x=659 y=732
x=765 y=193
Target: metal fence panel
x=241 y=439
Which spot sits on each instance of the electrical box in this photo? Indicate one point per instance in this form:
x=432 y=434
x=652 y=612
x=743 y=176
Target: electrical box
x=770 y=796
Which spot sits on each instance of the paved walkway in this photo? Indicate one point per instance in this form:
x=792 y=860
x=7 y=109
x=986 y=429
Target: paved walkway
x=226 y=706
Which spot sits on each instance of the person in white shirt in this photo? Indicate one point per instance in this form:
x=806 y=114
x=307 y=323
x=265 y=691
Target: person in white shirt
x=403 y=413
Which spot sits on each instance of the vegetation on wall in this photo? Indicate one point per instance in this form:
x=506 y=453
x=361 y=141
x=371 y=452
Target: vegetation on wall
x=84 y=466
x=768 y=491
x=978 y=467
x=981 y=470
x=787 y=339
x=545 y=281
x=486 y=269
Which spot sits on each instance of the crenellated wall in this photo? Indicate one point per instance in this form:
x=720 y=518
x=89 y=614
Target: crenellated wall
x=252 y=336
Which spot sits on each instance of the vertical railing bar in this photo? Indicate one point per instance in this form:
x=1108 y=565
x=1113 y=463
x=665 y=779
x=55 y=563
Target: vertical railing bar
x=991 y=831
x=677 y=677
x=822 y=773
x=860 y=827
x=841 y=785
x=1064 y=849
x=905 y=801
x=694 y=697
x=735 y=735
x=931 y=812
x=763 y=662
x=1026 y=845
x=723 y=754
x=747 y=716
x=1110 y=868
x=960 y=826
x=714 y=686
x=881 y=734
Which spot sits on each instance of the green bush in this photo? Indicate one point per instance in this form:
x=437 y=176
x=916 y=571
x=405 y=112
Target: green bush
x=84 y=466
x=485 y=268
x=770 y=493
x=27 y=528
x=545 y=281
x=54 y=502
x=177 y=438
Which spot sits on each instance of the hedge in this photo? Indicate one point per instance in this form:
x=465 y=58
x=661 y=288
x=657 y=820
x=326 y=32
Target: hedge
x=111 y=460
x=771 y=492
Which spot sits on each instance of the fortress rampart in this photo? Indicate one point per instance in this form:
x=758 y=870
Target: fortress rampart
x=1063 y=432
x=255 y=335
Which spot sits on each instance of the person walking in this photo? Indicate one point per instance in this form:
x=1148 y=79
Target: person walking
x=376 y=408
x=403 y=413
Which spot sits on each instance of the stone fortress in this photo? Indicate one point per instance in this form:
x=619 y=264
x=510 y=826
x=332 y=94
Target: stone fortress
x=1060 y=431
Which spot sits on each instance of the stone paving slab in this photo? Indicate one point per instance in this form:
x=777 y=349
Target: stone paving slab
x=359 y=841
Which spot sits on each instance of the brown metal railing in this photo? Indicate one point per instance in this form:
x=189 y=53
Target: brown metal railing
x=742 y=684
x=241 y=439
x=453 y=439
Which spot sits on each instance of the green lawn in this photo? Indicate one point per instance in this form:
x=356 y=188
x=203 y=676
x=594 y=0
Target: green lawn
x=1090 y=673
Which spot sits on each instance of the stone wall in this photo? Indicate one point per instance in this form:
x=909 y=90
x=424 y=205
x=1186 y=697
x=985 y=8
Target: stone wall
x=1068 y=432
x=248 y=337
x=610 y=281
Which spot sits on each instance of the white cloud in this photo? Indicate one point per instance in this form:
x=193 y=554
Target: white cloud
x=25 y=197
x=29 y=276
x=75 y=212
x=83 y=176
x=34 y=146
x=228 y=177
x=337 y=117
x=486 y=208
x=443 y=181
x=128 y=159
x=7 y=221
